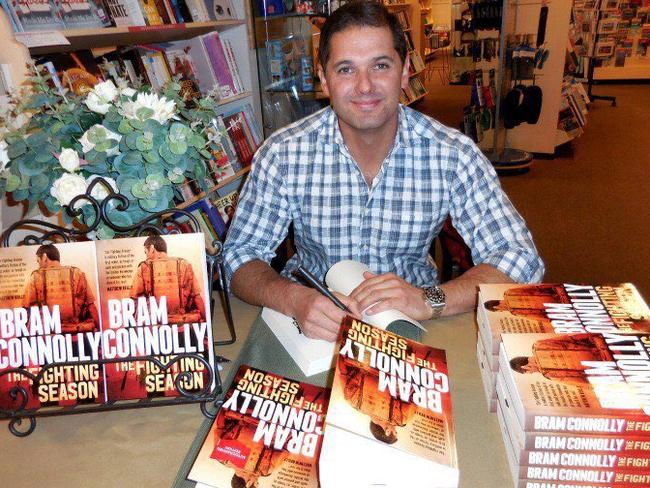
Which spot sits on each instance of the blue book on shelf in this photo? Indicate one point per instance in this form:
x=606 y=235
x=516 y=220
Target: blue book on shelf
x=213 y=216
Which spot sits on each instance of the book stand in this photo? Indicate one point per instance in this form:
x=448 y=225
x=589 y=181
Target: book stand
x=161 y=223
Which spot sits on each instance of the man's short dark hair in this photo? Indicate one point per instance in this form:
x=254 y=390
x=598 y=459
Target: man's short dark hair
x=157 y=242
x=517 y=364
x=362 y=13
x=380 y=434
x=50 y=251
x=491 y=305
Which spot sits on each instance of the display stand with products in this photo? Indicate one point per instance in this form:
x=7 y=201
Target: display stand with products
x=80 y=382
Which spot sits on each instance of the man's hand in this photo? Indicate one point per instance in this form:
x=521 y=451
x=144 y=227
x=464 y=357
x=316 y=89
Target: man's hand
x=389 y=291
x=317 y=315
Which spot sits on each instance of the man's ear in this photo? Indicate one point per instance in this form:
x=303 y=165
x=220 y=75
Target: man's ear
x=323 y=80
x=405 y=72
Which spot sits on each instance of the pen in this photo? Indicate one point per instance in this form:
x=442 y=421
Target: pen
x=313 y=281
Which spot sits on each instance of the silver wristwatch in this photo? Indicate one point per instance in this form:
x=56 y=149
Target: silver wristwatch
x=434 y=296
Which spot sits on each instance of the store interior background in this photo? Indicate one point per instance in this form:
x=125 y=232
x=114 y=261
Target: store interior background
x=588 y=206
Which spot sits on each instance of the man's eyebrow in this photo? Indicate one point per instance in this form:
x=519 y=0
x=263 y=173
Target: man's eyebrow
x=383 y=57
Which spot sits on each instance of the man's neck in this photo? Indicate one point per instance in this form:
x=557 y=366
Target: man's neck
x=369 y=148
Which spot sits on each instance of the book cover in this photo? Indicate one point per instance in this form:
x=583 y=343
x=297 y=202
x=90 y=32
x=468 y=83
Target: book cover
x=194 y=62
x=227 y=205
x=389 y=419
x=48 y=313
x=220 y=9
x=267 y=434
x=150 y=11
x=219 y=166
x=219 y=64
x=559 y=308
x=125 y=12
x=579 y=383
x=236 y=133
x=154 y=302
x=82 y=14
x=77 y=70
x=35 y=15
x=226 y=142
x=183 y=68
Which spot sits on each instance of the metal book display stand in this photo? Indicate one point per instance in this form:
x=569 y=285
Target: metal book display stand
x=160 y=223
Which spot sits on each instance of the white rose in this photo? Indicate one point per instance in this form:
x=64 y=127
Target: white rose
x=86 y=145
x=69 y=159
x=163 y=109
x=96 y=104
x=100 y=98
x=127 y=91
x=99 y=192
x=4 y=156
x=68 y=186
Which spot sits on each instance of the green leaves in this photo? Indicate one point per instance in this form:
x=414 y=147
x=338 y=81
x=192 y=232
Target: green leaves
x=13 y=182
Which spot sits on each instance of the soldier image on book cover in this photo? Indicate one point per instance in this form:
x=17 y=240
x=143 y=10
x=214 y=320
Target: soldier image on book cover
x=597 y=375
x=267 y=434
x=48 y=314
x=154 y=302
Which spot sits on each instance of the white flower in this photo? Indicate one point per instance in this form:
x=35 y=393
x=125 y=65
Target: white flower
x=99 y=192
x=127 y=91
x=162 y=109
x=87 y=146
x=4 y=156
x=68 y=186
x=69 y=160
x=100 y=98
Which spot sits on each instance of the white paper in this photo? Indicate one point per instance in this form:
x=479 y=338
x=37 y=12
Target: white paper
x=345 y=276
x=42 y=38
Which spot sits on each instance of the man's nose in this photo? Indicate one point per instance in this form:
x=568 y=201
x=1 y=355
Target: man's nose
x=364 y=82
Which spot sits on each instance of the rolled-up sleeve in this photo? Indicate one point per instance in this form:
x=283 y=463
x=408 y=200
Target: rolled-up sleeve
x=262 y=217
x=487 y=220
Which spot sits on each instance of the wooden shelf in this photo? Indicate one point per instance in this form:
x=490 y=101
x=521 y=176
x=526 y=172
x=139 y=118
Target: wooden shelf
x=225 y=101
x=221 y=184
x=129 y=35
x=418 y=98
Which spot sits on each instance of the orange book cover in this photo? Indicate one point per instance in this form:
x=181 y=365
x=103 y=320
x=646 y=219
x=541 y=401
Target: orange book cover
x=560 y=309
x=579 y=383
x=155 y=302
x=48 y=314
x=267 y=434
x=394 y=392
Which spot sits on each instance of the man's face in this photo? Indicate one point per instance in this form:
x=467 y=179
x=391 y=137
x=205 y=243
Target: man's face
x=364 y=77
x=42 y=260
x=149 y=251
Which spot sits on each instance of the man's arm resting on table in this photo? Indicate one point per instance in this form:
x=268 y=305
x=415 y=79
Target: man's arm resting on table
x=389 y=291
x=257 y=283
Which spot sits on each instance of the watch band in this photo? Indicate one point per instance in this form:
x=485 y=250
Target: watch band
x=434 y=296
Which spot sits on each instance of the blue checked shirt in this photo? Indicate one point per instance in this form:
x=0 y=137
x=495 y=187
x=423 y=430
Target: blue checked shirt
x=304 y=174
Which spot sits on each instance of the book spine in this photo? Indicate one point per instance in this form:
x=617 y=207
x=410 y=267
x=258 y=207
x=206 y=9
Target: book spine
x=228 y=144
x=215 y=219
x=251 y=123
x=232 y=65
x=219 y=64
x=151 y=12
x=248 y=134
x=161 y=6
x=606 y=477
x=195 y=10
x=587 y=443
x=125 y=12
x=236 y=134
x=584 y=460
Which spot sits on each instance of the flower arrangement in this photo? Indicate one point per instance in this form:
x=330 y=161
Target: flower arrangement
x=54 y=144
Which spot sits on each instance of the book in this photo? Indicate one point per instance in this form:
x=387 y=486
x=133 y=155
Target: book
x=578 y=383
x=125 y=12
x=220 y=9
x=226 y=142
x=76 y=70
x=182 y=67
x=267 y=433
x=219 y=64
x=389 y=420
x=32 y=15
x=48 y=313
x=155 y=302
x=312 y=356
x=151 y=14
x=235 y=127
x=195 y=61
x=87 y=14
x=226 y=206
x=559 y=308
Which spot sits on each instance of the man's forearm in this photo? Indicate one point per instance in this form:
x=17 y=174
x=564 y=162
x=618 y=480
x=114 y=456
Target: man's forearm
x=461 y=292
x=258 y=284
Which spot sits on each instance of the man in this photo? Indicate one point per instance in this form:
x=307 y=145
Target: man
x=65 y=286
x=161 y=275
x=529 y=301
x=370 y=180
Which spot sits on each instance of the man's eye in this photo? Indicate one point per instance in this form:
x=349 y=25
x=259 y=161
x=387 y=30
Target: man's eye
x=382 y=66
x=345 y=70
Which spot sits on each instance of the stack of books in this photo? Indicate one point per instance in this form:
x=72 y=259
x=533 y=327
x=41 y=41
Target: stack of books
x=567 y=369
x=388 y=421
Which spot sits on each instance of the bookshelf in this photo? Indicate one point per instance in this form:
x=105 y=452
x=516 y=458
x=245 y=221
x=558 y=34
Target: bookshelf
x=222 y=184
x=100 y=40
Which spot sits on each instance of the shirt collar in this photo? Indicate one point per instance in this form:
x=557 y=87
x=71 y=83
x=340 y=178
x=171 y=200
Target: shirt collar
x=330 y=132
